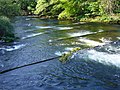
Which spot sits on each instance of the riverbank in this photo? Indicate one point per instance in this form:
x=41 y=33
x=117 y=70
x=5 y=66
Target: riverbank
x=110 y=19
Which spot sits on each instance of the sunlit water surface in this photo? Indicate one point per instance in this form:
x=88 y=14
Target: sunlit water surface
x=95 y=67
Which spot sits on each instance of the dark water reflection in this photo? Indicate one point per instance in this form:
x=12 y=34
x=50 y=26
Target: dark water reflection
x=92 y=68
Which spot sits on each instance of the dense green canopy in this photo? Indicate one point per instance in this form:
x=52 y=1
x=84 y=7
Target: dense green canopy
x=62 y=9
x=77 y=8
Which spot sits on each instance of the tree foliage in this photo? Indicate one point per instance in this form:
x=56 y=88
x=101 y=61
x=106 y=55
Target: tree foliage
x=67 y=9
x=9 y=8
x=26 y=6
x=6 y=29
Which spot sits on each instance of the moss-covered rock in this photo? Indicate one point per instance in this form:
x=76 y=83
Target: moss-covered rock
x=66 y=56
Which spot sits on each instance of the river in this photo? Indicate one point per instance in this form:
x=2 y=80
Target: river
x=95 y=67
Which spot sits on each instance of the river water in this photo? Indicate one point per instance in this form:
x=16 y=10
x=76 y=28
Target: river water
x=95 y=67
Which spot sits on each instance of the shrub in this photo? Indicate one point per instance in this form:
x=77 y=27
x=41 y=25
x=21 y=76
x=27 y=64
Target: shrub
x=9 y=8
x=6 y=30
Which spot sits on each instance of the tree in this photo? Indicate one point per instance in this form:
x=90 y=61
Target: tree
x=9 y=8
x=109 y=6
x=27 y=6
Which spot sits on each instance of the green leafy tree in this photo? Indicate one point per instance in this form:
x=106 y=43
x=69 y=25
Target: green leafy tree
x=27 y=6
x=68 y=9
x=9 y=8
x=109 y=5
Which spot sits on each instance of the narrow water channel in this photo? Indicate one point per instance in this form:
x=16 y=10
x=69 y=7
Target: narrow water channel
x=95 y=67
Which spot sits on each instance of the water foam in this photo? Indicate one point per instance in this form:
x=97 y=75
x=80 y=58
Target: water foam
x=58 y=53
x=91 y=42
x=105 y=58
x=29 y=30
x=105 y=40
x=27 y=19
x=79 y=23
x=81 y=33
x=66 y=50
x=31 y=35
x=12 y=48
x=43 y=27
x=118 y=38
x=69 y=48
x=64 y=28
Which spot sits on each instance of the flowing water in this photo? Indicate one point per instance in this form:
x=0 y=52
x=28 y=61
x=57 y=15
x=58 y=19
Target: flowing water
x=95 y=67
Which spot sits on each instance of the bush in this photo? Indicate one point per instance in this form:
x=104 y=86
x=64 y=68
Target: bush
x=27 y=6
x=6 y=30
x=9 y=8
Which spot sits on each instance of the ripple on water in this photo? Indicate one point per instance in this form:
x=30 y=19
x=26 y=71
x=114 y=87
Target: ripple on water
x=80 y=33
x=63 y=28
x=87 y=70
x=89 y=42
x=12 y=48
x=32 y=35
x=43 y=27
